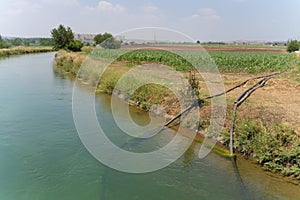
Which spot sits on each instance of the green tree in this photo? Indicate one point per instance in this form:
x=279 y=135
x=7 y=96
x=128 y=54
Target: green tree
x=3 y=44
x=26 y=43
x=293 y=45
x=62 y=37
x=75 y=45
x=17 y=42
x=99 y=38
x=45 y=42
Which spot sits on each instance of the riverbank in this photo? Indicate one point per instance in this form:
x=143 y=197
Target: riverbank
x=267 y=129
x=24 y=50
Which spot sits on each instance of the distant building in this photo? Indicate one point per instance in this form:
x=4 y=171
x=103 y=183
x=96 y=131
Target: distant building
x=85 y=38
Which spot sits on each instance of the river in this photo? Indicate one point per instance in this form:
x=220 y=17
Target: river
x=42 y=157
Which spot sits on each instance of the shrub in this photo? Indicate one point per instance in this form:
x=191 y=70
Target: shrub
x=293 y=45
x=276 y=149
x=75 y=45
x=99 y=38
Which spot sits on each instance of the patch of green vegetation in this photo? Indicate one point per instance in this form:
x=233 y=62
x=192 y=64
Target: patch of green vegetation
x=75 y=45
x=272 y=46
x=148 y=95
x=145 y=96
x=251 y=62
x=293 y=45
x=223 y=152
x=295 y=74
x=66 y=65
x=276 y=149
x=87 y=49
x=108 y=82
x=157 y=56
x=248 y=62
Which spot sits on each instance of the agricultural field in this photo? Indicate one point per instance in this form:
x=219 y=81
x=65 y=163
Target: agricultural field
x=248 y=62
x=251 y=62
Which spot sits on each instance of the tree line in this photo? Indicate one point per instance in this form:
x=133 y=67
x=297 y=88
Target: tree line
x=13 y=42
x=63 y=38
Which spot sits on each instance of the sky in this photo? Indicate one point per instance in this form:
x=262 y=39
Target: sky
x=203 y=20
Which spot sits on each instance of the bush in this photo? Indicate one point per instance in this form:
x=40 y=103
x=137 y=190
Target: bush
x=276 y=149
x=75 y=45
x=99 y=38
x=3 y=44
x=293 y=45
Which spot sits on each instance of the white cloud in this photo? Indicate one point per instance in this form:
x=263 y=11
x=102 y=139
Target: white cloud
x=206 y=14
x=105 y=6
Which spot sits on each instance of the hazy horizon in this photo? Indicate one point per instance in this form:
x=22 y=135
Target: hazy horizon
x=231 y=20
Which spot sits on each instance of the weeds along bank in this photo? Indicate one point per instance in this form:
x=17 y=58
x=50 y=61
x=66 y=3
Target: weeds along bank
x=260 y=132
x=144 y=97
x=23 y=50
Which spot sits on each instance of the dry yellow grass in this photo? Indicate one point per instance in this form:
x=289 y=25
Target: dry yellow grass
x=23 y=50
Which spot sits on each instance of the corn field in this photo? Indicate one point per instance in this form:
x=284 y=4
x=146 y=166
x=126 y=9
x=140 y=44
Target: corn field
x=249 y=62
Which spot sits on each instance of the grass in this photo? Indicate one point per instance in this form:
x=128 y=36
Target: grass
x=275 y=148
x=69 y=62
x=23 y=50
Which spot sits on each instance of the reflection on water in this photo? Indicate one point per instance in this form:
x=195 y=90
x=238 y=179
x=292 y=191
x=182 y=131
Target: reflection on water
x=189 y=155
